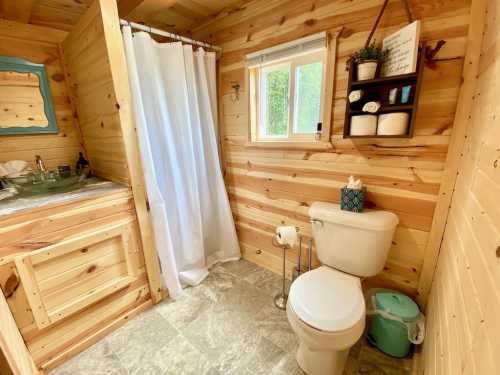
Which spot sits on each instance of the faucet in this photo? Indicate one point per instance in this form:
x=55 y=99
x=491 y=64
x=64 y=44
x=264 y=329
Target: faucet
x=40 y=165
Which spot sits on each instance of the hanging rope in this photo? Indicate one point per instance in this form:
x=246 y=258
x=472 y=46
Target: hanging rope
x=377 y=21
x=408 y=12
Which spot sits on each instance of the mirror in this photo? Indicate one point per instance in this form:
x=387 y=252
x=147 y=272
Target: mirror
x=25 y=99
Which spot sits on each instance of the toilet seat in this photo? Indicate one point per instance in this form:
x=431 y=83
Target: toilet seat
x=327 y=299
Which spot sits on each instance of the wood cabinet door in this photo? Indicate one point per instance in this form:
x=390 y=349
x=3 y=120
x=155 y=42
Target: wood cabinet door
x=66 y=277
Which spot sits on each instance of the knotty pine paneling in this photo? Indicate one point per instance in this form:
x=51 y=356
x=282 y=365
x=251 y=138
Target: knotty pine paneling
x=270 y=187
x=89 y=70
x=463 y=333
x=40 y=45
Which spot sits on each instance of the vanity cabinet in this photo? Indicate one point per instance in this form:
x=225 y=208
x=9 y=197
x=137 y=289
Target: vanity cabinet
x=69 y=276
x=72 y=272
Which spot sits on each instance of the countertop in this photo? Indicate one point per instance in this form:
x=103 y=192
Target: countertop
x=94 y=187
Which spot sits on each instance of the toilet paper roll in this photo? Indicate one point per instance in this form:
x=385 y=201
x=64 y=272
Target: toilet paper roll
x=287 y=235
x=363 y=125
x=395 y=123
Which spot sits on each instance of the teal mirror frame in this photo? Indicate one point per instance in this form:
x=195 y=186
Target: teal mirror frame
x=14 y=64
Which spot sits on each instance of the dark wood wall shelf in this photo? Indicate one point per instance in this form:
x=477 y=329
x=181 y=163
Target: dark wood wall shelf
x=379 y=87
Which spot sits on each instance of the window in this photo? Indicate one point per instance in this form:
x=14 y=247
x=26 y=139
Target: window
x=289 y=91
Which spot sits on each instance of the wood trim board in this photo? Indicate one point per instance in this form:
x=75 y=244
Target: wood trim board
x=116 y=55
x=12 y=343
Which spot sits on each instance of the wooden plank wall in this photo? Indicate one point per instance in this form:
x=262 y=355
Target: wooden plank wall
x=463 y=332
x=276 y=186
x=21 y=101
x=40 y=44
x=91 y=81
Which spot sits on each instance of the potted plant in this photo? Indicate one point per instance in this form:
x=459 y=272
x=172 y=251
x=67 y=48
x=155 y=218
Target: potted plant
x=367 y=60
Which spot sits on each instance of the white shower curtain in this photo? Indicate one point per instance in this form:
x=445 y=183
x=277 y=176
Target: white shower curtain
x=174 y=103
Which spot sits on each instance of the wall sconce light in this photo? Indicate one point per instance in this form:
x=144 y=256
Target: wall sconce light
x=235 y=95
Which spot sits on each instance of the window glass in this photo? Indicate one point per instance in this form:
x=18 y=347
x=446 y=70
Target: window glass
x=308 y=80
x=287 y=98
x=276 y=88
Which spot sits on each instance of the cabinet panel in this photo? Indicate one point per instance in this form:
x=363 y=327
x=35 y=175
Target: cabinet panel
x=64 y=278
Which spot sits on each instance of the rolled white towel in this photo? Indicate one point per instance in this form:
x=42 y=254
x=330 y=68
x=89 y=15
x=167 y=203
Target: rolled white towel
x=14 y=168
x=371 y=107
x=355 y=95
x=3 y=170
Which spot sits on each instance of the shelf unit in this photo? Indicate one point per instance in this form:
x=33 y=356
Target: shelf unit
x=380 y=87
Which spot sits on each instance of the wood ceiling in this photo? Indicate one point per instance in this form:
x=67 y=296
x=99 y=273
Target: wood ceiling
x=180 y=16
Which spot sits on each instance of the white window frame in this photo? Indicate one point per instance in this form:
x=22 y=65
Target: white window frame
x=257 y=136
x=292 y=64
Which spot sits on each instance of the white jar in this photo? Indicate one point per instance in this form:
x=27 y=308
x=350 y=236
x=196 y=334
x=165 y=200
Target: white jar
x=367 y=69
x=363 y=125
x=395 y=123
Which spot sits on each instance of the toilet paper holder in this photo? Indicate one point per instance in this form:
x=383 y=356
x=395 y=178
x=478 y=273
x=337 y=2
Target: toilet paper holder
x=277 y=244
x=281 y=298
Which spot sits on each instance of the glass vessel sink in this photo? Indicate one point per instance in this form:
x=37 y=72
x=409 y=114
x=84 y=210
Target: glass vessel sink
x=42 y=183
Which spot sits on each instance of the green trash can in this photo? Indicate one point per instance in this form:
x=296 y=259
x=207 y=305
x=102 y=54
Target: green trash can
x=396 y=323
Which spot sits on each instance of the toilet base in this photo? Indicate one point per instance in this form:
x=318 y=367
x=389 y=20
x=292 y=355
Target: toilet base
x=321 y=362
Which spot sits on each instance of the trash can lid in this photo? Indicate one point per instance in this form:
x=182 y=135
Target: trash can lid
x=397 y=304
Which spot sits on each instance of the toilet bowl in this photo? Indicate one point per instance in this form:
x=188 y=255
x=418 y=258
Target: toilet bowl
x=326 y=310
x=326 y=307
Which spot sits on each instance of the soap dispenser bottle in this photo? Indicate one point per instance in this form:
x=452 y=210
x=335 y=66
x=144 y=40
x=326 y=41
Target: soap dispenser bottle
x=81 y=164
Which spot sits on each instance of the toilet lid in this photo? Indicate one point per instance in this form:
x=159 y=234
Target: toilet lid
x=327 y=299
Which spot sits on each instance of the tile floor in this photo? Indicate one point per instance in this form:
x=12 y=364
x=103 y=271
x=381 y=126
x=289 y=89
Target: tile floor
x=226 y=325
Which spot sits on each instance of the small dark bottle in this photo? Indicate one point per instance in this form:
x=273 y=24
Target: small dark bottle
x=81 y=164
x=319 y=128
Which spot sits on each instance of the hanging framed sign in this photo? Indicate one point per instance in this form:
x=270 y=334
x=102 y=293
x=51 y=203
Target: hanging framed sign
x=403 y=51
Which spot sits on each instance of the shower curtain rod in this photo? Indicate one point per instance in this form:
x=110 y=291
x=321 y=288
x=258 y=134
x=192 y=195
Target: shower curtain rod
x=153 y=30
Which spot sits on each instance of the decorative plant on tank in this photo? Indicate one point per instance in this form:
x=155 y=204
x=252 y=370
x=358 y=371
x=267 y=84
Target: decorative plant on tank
x=367 y=60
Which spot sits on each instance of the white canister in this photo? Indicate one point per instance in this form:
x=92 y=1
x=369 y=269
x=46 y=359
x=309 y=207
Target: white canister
x=367 y=70
x=363 y=125
x=395 y=123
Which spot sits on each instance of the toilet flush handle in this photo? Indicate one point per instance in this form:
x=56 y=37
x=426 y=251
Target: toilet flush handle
x=316 y=221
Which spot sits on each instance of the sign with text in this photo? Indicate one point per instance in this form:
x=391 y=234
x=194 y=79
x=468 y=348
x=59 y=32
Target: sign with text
x=403 y=51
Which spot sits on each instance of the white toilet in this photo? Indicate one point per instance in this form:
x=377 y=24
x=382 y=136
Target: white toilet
x=326 y=307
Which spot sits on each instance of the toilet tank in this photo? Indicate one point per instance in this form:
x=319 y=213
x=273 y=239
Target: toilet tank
x=356 y=243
